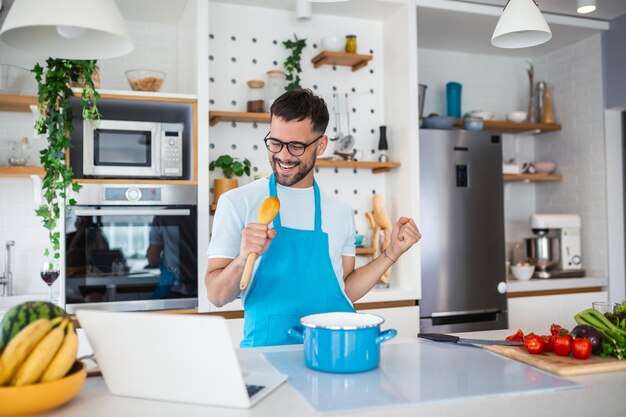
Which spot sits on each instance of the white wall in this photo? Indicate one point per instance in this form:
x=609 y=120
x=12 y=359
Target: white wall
x=575 y=73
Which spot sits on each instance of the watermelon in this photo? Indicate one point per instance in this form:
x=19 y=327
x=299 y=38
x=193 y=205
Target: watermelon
x=21 y=315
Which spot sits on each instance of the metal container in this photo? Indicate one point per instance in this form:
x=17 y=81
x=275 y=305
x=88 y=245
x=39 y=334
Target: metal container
x=341 y=342
x=422 y=96
x=541 y=86
x=542 y=251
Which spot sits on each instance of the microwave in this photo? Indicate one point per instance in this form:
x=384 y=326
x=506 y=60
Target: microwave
x=127 y=149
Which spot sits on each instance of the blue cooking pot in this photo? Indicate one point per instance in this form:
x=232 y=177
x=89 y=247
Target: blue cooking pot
x=341 y=342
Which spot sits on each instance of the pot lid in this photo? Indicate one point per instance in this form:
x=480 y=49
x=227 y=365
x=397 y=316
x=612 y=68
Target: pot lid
x=341 y=321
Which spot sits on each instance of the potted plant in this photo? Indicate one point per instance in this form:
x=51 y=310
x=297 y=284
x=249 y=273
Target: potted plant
x=55 y=120
x=230 y=167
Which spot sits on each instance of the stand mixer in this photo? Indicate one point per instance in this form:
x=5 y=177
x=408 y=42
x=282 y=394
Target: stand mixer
x=555 y=248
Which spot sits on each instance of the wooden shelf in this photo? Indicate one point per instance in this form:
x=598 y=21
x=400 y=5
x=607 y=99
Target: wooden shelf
x=14 y=103
x=20 y=171
x=532 y=177
x=376 y=167
x=365 y=251
x=133 y=181
x=356 y=61
x=515 y=127
x=233 y=116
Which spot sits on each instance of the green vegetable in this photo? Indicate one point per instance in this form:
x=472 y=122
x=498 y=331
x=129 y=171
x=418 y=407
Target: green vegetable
x=618 y=317
x=614 y=338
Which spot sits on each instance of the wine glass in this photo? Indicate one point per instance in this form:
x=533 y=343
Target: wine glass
x=50 y=271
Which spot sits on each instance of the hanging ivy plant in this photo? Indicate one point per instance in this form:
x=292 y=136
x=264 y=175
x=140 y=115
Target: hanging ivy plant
x=54 y=95
x=292 y=63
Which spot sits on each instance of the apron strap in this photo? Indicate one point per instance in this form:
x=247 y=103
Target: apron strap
x=318 y=207
x=318 y=204
x=273 y=193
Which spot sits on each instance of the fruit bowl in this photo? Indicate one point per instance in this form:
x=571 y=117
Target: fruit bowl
x=145 y=80
x=37 y=398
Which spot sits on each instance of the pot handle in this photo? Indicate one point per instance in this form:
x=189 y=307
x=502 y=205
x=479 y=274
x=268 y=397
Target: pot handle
x=297 y=333
x=386 y=335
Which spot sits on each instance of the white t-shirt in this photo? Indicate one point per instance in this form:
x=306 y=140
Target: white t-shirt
x=240 y=206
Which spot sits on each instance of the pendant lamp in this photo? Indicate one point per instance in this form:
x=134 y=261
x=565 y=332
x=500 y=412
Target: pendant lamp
x=521 y=25
x=70 y=29
x=585 y=6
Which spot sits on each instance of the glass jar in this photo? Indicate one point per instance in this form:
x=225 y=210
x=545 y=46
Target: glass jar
x=256 y=97
x=19 y=152
x=275 y=86
x=351 y=44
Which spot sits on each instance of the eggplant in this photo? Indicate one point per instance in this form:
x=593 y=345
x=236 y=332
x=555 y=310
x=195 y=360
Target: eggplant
x=585 y=331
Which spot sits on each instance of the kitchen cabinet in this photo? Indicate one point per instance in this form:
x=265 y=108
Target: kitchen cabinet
x=537 y=313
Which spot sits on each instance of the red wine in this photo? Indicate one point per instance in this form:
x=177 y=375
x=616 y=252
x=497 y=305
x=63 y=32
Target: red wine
x=49 y=276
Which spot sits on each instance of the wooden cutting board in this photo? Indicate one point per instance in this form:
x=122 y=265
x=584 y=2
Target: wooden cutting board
x=560 y=365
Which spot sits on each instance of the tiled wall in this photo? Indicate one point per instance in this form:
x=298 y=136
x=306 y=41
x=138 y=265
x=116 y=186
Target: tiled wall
x=575 y=73
x=155 y=48
x=500 y=84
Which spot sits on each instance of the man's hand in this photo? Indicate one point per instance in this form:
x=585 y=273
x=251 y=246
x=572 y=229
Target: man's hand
x=256 y=237
x=404 y=235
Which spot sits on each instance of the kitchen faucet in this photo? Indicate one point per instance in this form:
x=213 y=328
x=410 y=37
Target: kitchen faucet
x=6 y=280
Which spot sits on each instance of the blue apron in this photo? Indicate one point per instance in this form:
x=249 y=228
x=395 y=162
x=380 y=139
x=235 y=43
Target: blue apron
x=295 y=278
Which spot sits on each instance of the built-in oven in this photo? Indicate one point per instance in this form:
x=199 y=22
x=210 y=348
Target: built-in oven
x=132 y=247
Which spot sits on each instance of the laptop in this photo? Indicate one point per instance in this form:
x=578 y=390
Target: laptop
x=173 y=357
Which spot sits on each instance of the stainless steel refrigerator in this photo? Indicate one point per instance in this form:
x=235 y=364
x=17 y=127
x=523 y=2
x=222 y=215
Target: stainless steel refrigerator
x=462 y=225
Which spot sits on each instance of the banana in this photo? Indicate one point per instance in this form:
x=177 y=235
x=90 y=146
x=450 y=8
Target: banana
x=65 y=357
x=20 y=347
x=40 y=357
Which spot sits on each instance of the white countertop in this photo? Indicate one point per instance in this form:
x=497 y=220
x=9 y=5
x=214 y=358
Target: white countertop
x=539 y=284
x=602 y=395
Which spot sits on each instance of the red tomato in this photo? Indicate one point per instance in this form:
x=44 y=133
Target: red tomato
x=581 y=348
x=531 y=334
x=548 y=343
x=517 y=337
x=555 y=329
x=562 y=344
x=533 y=345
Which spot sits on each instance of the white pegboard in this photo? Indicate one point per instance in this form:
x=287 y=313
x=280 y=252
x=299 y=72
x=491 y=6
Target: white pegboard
x=242 y=47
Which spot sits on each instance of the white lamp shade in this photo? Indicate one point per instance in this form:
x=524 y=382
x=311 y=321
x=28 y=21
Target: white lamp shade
x=70 y=29
x=521 y=25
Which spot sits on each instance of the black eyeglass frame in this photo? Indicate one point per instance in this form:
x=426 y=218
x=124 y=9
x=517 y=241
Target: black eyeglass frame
x=287 y=144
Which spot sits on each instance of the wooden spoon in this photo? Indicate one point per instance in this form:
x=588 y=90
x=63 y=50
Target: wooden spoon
x=268 y=210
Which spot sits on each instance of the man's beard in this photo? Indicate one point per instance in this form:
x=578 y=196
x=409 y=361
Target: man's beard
x=300 y=170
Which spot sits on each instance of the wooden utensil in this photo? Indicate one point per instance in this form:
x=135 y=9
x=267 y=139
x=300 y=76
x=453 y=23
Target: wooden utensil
x=268 y=210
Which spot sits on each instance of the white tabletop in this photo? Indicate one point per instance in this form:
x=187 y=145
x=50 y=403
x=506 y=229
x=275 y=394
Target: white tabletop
x=601 y=395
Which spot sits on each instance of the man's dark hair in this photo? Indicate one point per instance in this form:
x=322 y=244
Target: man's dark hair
x=299 y=105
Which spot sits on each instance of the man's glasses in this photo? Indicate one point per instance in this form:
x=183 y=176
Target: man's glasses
x=294 y=148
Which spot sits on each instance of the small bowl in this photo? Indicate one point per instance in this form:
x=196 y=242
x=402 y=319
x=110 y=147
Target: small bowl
x=145 y=80
x=523 y=273
x=544 y=167
x=472 y=124
x=481 y=114
x=43 y=396
x=334 y=43
x=439 y=122
x=12 y=78
x=516 y=116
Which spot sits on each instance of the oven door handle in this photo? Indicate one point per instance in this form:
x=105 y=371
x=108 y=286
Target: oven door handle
x=133 y=212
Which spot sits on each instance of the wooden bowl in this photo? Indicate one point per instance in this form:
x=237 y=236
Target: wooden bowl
x=37 y=398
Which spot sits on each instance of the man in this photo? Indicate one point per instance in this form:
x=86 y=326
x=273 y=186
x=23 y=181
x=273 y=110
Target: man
x=307 y=262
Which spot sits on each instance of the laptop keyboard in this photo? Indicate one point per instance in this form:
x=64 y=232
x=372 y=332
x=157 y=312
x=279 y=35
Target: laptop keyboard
x=253 y=389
